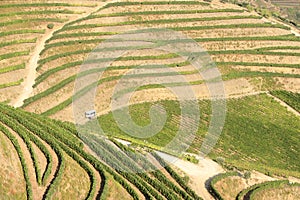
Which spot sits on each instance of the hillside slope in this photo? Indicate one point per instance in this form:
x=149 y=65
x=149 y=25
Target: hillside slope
x=247 y=49
x=49 y=161
x=24 y=29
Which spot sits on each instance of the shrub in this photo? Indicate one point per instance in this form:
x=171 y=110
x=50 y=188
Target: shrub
x=247 y=175
x=50 y=26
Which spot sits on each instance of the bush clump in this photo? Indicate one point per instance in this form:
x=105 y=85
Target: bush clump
x=50 y=26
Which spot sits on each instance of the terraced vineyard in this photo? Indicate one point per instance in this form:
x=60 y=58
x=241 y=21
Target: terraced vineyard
x=230 y=186
x=273 y=189
x=24 y=28
x=246 y=122
x=44 y=44
x=49 y=157
x=225 y=33
x=292 y=3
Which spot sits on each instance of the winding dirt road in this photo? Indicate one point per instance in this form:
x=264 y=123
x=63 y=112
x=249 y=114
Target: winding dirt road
x=32 y=65
x=35 y=55
x=198 y=173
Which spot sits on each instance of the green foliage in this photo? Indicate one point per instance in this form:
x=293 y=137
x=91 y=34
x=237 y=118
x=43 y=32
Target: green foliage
x=228 y=76
x=37 y=12
x=62 y=138
x=73 y=42
x=253 y=52
x=247 y=175
x=270 y=185
x=21 y=41
x=190 y=158
x=23 y=31
x=258 y=64
x=24 y=135
x=50 y=26
x=49 y=91
x=231 y=26
x=289 y=37
x=290 y=98
x=165 y=12
x=48 y=73
x=187 y=28
x=250 y=123
x=12 y=68
x=61 y=55
x=44 y=5
x=80 y=34
x=146 y=165
x=114 y=158
x=84 y=90
x=11 y=84
x=167 y=21
x=154 y=3
x=14 y=141
x=15 y=54
x=20 y=21
x=176 y=177
x=41 y=131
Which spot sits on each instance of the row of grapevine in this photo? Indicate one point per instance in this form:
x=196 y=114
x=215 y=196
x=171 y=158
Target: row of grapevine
x=18 y=125
x=44 y=5
x=292 y=99
x=10 y=84
x=37 y=12
x=21 y=21
x=176 y=177
x=15 y=54
x=271 y=185
x=155 y=3
x=23 y=31
x=61 y=138
x=229 y=76
x=178 y=20
x=219 y=177
x=22 y=41
x=17 y=147
x=146 y=165
x=248 y=191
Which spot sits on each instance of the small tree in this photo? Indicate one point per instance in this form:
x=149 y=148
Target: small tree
x=247 y=175
x=50 y=26
x=220 y=160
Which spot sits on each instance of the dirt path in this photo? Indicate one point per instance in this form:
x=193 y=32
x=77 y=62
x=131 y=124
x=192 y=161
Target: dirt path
x=32 y=65
x=289 y=108
x=198 y=173
x=35 y=56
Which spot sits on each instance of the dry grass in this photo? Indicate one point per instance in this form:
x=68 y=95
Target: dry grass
x=284 y=193
x=74 y=183
x=52 y=100
x=116 y=191
x=290 y=84
x=256 y=58
x=230 y=187
x=10 y=171
x=13 y=92
x=141 y=8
